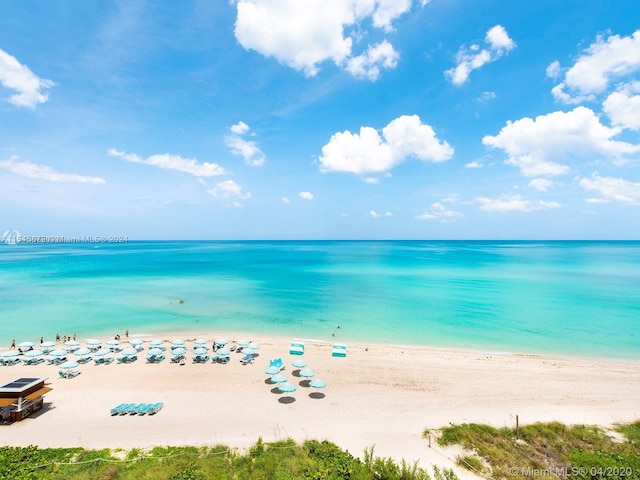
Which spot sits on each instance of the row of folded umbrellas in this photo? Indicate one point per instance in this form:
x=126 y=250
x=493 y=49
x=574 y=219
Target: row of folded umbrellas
x=285 y=386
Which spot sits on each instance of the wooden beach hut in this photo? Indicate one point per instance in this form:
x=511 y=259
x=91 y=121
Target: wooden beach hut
x=22 y=397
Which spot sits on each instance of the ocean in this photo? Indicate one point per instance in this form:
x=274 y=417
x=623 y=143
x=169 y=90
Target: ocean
x=555 y=297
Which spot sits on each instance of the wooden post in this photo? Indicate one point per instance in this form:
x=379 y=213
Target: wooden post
x=517 y=427
x=429 y=441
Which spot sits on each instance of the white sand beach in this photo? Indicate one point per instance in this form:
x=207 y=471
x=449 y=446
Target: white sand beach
x=377 y=395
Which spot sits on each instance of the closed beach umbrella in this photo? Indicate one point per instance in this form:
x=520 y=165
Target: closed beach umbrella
x=82 y=352
x=221 y=342
x=279 y=378
x=287 y=387
x=317 y=383
x=129 y=352
x=307 y=373
x=299 y=364
x=243 y=343
x=58 y=352
x=70 y=364
x=102 y=352
x=254 y=346
x=154 y=351
x=26 y=345
x=33 y=353
x=273 y=370
x=224 y=351
x=200 y=341
x=200 y=351
x=177 y=342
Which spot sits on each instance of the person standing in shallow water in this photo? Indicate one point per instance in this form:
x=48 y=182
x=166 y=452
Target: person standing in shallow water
x=13 y=345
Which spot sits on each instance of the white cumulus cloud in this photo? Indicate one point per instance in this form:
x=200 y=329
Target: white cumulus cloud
x=304 y=34
x=473 y=57
x=536 y=146
x=31 y=89
x=306 y=195
x=229 y=189
x=44 y=172
x=473 y=164
x=374 y=214
x=607 y=59
x=172 y=162
x=541 y=184
x=623 y=107
x=285 y=200
x=440 y=213
x=368 y=152
x=247 y=149
x=512 y=203
x=611 y=188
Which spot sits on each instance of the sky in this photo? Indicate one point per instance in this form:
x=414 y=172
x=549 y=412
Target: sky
x=320 y=119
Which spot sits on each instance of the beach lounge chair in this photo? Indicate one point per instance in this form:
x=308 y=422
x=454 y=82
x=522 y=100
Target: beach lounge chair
x=84 y=359
x=127 y=409
x=247 y=359
x=155 y=358
x=296 y=348
x=277 y=362
x=221 y=359
x=137 y=409
x=339 y=350
x=155 y=408
x=115 y=410
x=201 y=359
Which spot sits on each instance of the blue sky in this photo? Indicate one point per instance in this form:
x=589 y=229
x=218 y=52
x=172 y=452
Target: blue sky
x=314 y=119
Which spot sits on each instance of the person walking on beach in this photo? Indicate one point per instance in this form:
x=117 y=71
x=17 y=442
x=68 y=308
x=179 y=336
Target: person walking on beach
x=74 y=335
x=41 y=340
x=126 y=333
x=57 y=337
x=13 y=345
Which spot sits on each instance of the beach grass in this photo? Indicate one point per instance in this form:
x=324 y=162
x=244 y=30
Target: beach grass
x=546 y=450
x=284 y=459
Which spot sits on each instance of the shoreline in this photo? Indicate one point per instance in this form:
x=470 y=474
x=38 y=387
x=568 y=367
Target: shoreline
x=378 y=394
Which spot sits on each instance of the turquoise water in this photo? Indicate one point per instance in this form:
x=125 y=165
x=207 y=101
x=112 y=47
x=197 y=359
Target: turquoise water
x=540 y=297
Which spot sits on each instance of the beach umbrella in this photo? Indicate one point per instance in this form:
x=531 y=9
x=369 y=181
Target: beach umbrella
x=70 y=364
x=82 y=352
x=9 y=353
x=135 y=341
x=287 y=387
x=279 y=378
x=307 y=373
x=200 y=351
x=223 y=352
x=248 y=351
x=254 y=346
x=48 y=344
x=221 y=342
x=156 y=343
x=179 y=351
x=129 y=352
x=200 y=341
x=242 y=343
x=317 y=383
x=177 y=342
x=26 y=345
x=154 y=351
x=93 y=342
x=299 y=364
x=72 y=343
x=33 y=353
x=58 y=352
x=102 y=352
x=273 y=370
x=113 y=342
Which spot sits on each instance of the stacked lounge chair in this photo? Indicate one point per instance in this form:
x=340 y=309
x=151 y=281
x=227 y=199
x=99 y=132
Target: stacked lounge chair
x=136 y=409
x=296 y=348
x=339 y=350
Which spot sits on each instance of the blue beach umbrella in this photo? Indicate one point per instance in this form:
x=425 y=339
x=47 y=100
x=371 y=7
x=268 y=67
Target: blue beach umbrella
x=317 y=383
x=154 y=351
x=242 y=343
x=178 y=342
x=82 y=352
x=156 y=343
x=200 y=341
x=94 y=342
x=9 y=353
x=254 y=346
x=129 y=352
x=272 y=370
x=58 y=352
x=307 y=373
x=287 y=387
x=102 y=352
x=279 y=378
x=178 y=351
x=33 y=353
x=26 y=345
x=48 y=344
x=224 y=352
x=248 y=351
x=221 y=342
x=299 y=364
x=135 y=341
x=72 y=343
x=70 y=364
x=200 y=351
